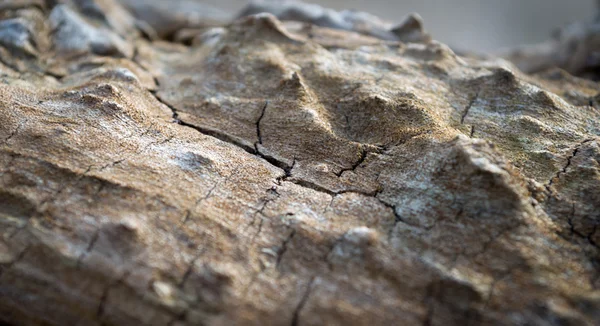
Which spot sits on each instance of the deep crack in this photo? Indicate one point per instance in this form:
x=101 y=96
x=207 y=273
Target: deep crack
x=228 y=139
x=567 y=165
x=361 y=160
x=284 y=247
x=302 y=303
x=190 y=269
x=104 y=296
x=287 y=169
x=468 y=108
x=258 y=134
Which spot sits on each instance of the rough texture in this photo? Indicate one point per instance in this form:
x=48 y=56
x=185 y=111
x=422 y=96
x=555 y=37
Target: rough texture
x=281 y=173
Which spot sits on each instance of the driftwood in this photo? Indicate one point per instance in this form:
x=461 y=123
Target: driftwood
x=284 y=173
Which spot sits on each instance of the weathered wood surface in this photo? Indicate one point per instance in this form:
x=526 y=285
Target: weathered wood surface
x=280 y=173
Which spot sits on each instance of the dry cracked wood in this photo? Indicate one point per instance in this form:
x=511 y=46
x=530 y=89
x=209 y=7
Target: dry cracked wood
x=274 y=173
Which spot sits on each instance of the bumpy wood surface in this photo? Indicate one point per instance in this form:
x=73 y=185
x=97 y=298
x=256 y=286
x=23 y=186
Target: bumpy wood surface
x=272 y=173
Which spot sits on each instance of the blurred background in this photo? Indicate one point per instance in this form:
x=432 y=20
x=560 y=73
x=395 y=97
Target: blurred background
x=478 y=25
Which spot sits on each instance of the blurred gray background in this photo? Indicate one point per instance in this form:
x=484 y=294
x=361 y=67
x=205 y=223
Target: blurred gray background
x=479 y=25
